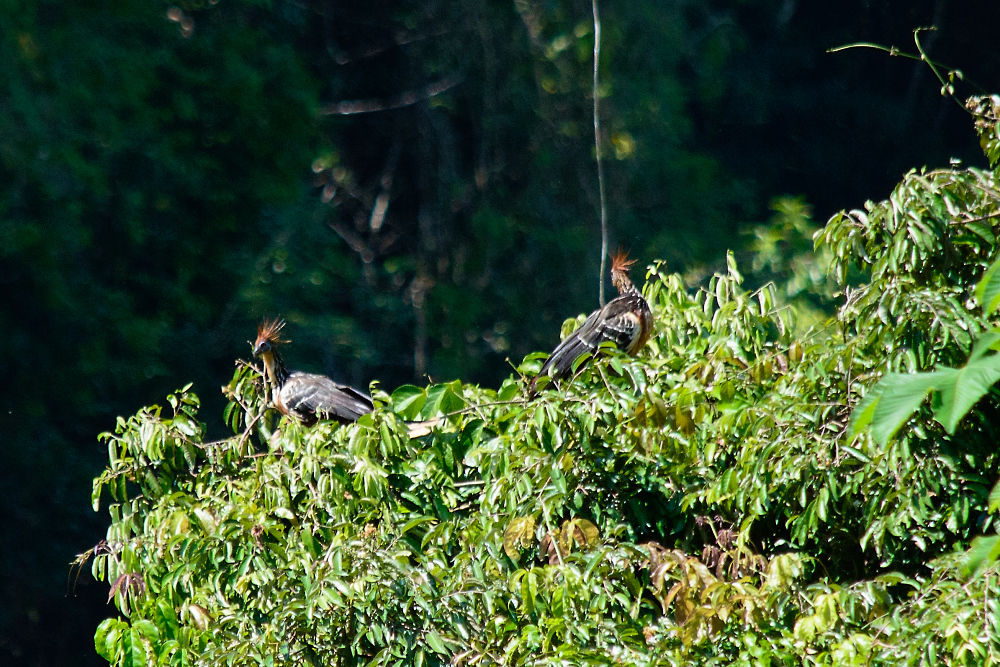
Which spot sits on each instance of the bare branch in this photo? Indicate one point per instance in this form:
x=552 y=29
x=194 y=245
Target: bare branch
x=405 y=99
x=355 y=242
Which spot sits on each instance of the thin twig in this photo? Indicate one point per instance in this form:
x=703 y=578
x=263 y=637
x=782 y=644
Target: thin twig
x=969 y=221
x=553 y=538
x=946 y=86
x=597 y=148
x=404 y=99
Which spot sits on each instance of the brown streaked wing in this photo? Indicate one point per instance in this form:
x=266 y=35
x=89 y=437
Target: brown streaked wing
x=616 y=321
x=309 y=397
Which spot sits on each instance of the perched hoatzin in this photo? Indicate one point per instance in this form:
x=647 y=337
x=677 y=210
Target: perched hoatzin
x=306 y=396
x=625 y=320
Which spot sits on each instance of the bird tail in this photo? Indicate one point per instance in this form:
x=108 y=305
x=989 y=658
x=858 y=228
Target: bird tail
x=559 y=365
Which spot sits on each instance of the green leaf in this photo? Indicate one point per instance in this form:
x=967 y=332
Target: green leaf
x=133 y=649
x=731 y=266
x=435 y=395
x=147 y=629
x=994 y=498
x=891 y=402
x=451 y=401
x=407 y=401
x=988 y=289
x=508 y=390
x=413 y=523
x=107 y=638
x=529 y=591
x=581 y=360
x=308 y=542
x=888 y=404
x=434 y=641
x=989 y=340
x=962 y=388
x=616 y=364
x=983 y=552
x=783 y=570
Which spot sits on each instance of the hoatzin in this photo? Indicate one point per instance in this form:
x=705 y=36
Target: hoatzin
x=625 y=320
x=306 y=396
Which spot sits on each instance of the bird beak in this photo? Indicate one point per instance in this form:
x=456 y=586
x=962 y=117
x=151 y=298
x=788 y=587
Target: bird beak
x=261 y=348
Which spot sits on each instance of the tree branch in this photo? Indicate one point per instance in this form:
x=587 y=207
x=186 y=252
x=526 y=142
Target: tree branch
x=404 y=99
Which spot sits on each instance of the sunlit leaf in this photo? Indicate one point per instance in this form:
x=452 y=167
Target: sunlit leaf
x=520 y=533
x=407 y=401
x=961 y=388
x=890 y=403
x=988 y=289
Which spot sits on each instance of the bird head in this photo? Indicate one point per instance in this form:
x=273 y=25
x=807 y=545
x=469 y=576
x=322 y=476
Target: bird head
x=620 y=264
x=268 y=335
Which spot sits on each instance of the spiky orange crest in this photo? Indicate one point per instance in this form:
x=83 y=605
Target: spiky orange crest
x=620 y=263
x=270 y=331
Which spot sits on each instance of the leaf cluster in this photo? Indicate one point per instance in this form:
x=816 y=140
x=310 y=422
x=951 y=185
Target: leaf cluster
x=704 y=503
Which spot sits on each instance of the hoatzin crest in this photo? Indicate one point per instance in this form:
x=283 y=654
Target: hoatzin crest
x=625 y=320
x=306 y=396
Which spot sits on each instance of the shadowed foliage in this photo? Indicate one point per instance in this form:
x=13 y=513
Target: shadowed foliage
x=704 y=502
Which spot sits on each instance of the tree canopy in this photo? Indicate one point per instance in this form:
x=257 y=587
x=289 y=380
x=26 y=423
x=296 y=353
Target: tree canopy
x=173 y=171
x=707 y=502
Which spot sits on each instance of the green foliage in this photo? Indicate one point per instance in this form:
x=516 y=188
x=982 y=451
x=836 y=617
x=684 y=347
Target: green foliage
x=701 y=504
x=889 y=404
x=155 y=198
x=986 y=111
x=136 y=162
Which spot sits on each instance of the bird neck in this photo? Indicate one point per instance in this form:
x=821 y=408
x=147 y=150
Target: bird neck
x=276 y=371
x=623 y=283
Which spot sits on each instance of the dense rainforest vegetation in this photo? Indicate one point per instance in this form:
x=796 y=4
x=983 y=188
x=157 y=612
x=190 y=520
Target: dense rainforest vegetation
x=412 y=185
x=713 y=501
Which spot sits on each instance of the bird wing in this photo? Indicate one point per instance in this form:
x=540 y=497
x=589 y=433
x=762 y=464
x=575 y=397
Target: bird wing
x=309 y=397
x=620 y=321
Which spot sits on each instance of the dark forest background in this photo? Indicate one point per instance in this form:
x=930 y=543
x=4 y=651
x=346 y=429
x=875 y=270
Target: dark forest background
x=169 y=174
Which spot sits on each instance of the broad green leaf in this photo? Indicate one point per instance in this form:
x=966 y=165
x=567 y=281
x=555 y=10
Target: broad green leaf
x=581 y=360
x=435 y=396
x=133 y=649
x=308 y=542
x=616 y=364
x=994 y=501
x=434 y=641
x=451 y=401
x=230 y=415
x=961 y=388
x=107 y=638
x=989 y=340
x=988 y=289
x=895 y=578
x=508 y=390
x=888 y=404
x=570 y=325
x=529 y=591
x=407 y=401
x=147 y=629
x=783 y=570
x=983 y=552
